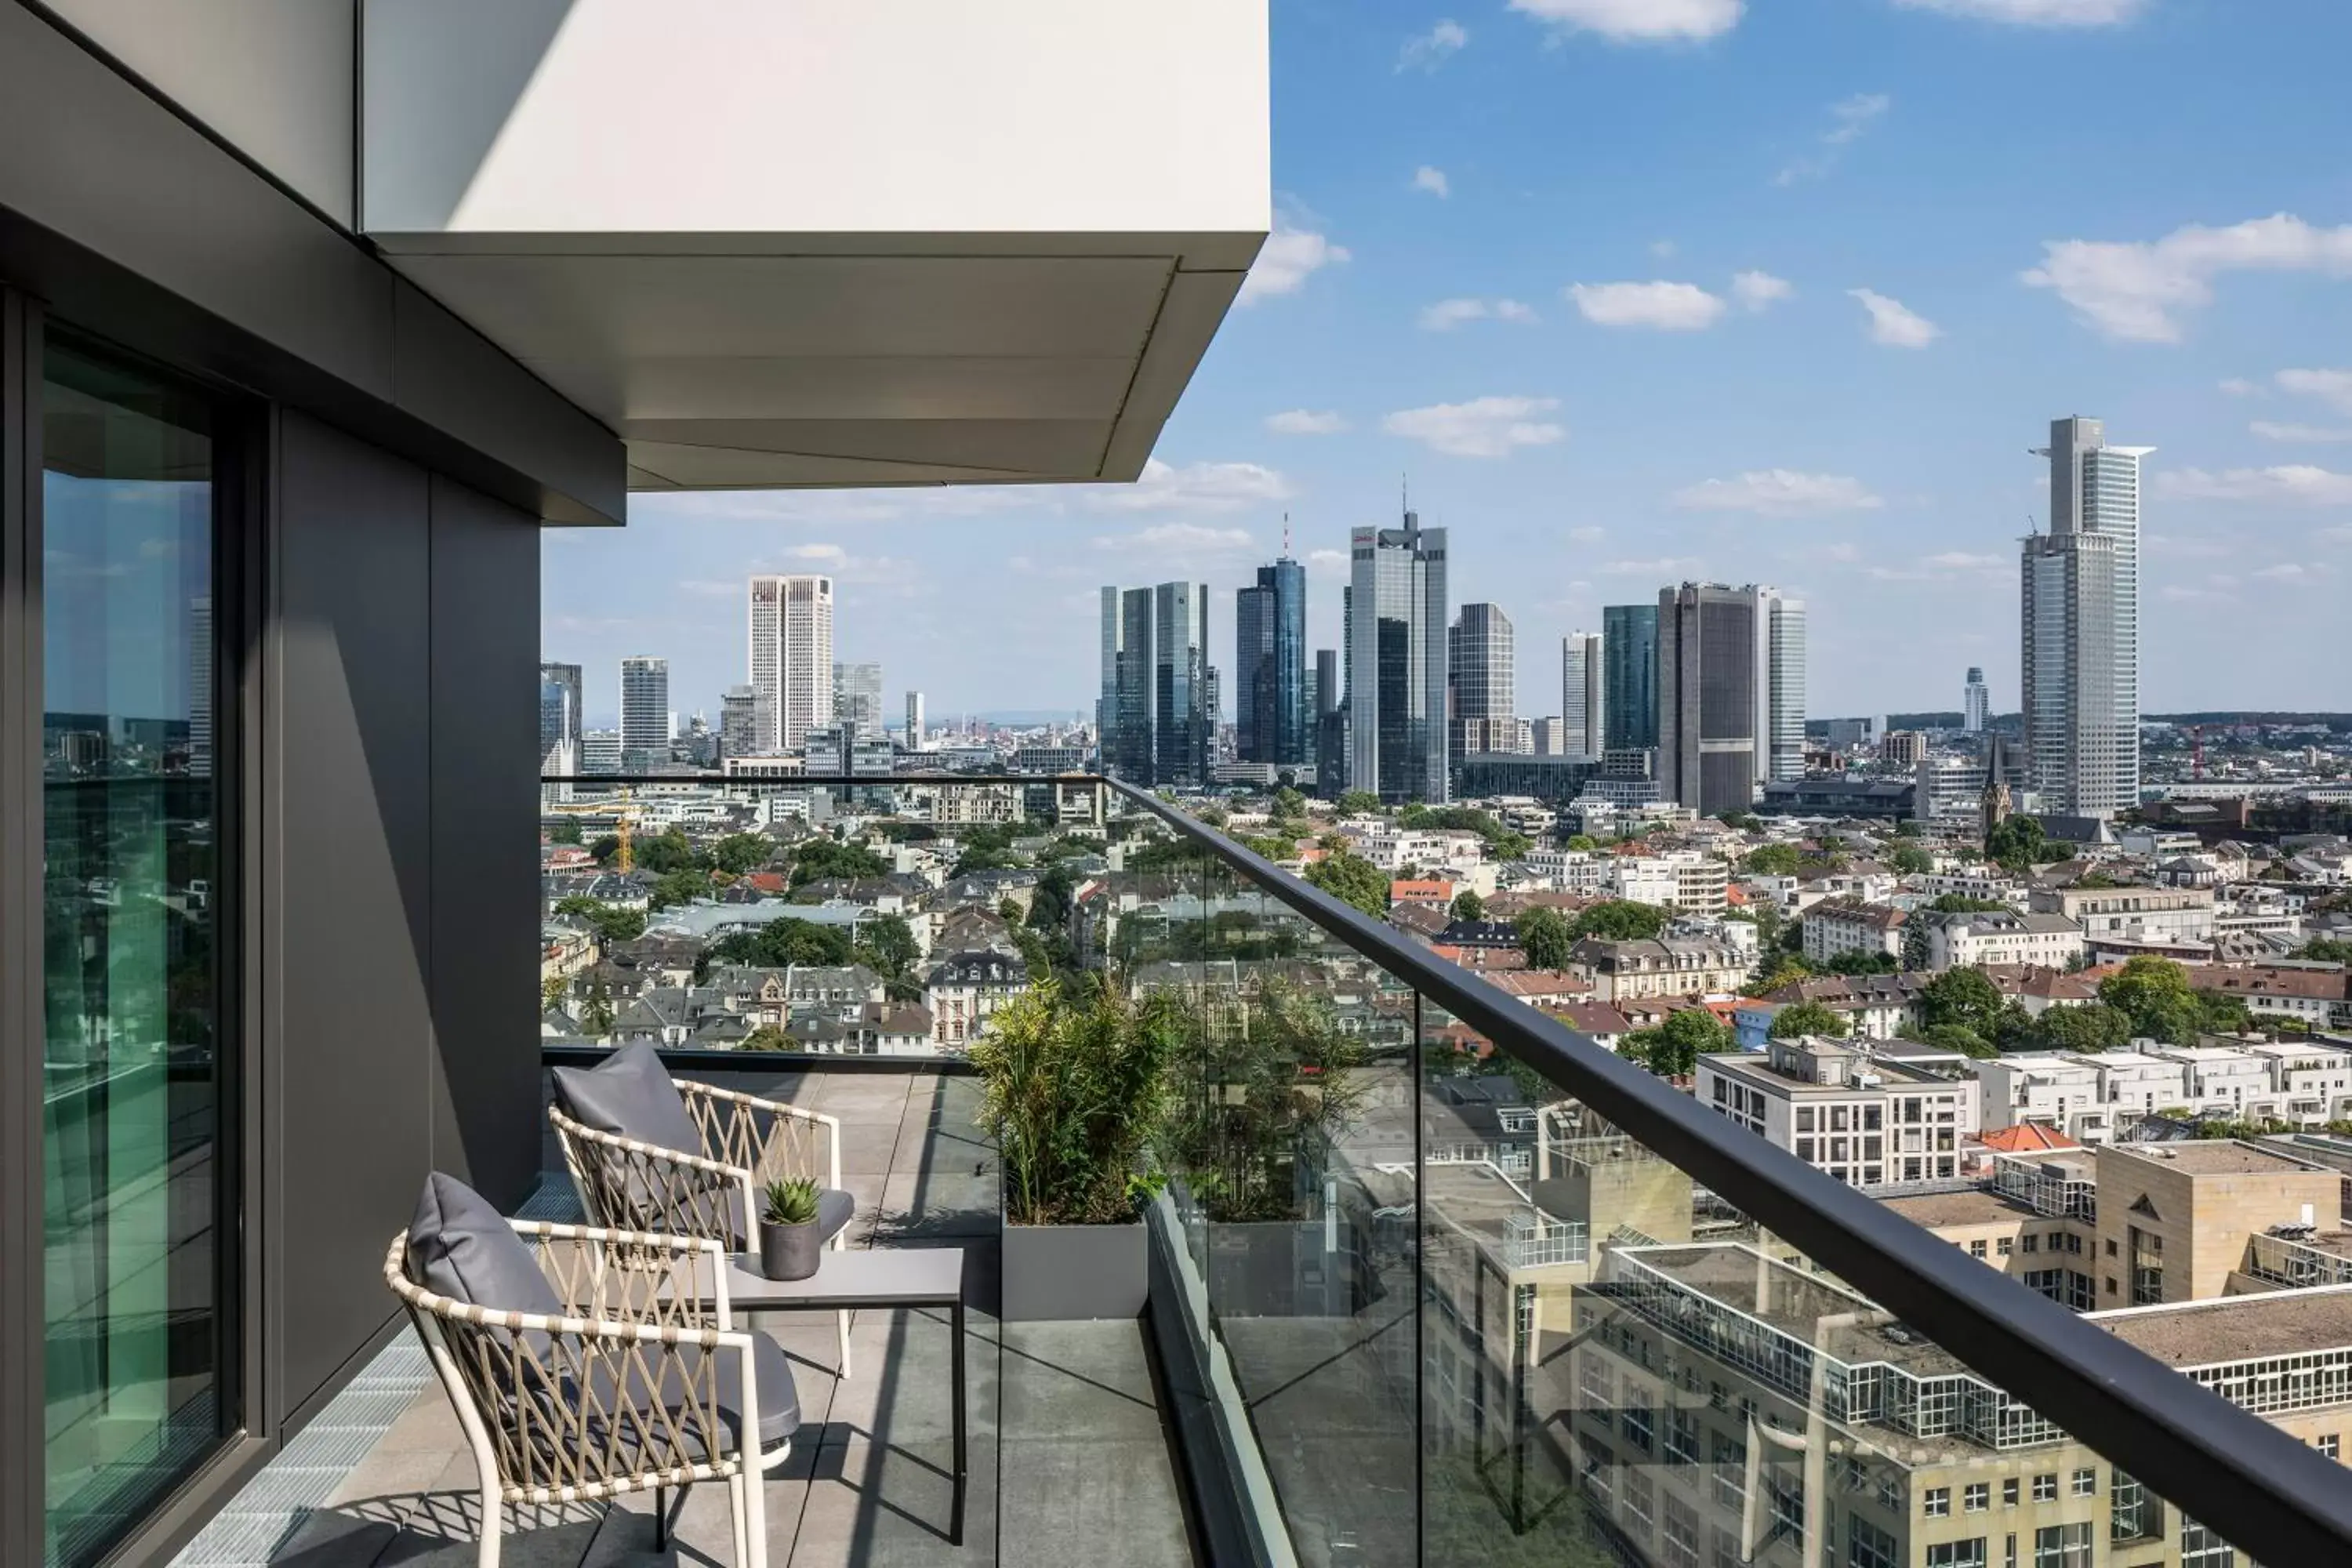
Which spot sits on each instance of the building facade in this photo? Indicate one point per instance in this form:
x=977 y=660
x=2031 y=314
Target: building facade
x=1629 y=656
x=1976 y=702
x=914 y=730
x=1709 y=697
x=857 y=697
x=644 y=712
x=1397 y=637
x=1272 y=721
x=1481 y=683
x=2079 y=582
x=1183 y=686
x=792 y=657
x=1583 y=695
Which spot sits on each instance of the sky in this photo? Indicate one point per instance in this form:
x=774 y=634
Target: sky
x=1630 y=291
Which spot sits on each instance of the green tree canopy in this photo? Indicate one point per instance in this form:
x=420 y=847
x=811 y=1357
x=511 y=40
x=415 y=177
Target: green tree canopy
x=1774 y=860
x=1961 y=904
x=1583 y=843
x=1810 y=1018
x=1289 y=805
x=2019 y=844
x=2094 y=1026
x=606 y=849
x=1782 y=969
x=1673 y=1047
x=1911 y=861
x=665 y=852
x=1957 y=1037
x=1966 y=997
x=2325 y=950
x=563 y=830
x=611 y=922
x=779 y=945
x=1358 y=803
x=821 y=859
x=680 y=887
x=1468 y=906
x=1876 y=961
x=1621 y=920
x=1352 y=880
x=2155 y=996
x=887 y=944
x=740 y=852
x=1271 y=846
x=1546 y=937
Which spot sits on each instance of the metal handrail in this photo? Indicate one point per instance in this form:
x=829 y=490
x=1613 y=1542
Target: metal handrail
x=2271 y=1496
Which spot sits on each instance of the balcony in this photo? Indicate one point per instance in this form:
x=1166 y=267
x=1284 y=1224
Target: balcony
x=1654 y=1340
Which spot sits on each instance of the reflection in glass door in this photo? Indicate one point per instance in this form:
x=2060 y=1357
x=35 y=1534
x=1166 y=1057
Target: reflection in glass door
x=134 y=1232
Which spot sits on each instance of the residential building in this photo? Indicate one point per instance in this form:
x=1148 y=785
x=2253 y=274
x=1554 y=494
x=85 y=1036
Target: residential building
x=791 y=639
x=1397 y=626
x=1951 y=790
x=1863 y=1119
x=963 y=989
x=1976 y=703
x=2138 y=914
x=1903 y=748
x=1481 y=683
x=1835 y=927
x=1271 y=716
x=645 y=712
x=2079 y=622
x=1625 y=972
x=1584 y=696
x=739 y=722
x=1974 y=938
x=1685 y=880
x=2318 y=996
x=857 y=697
x=1629 y=660
x=600 y=751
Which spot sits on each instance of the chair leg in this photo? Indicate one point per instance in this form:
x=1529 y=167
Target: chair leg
x=735 y=1484
x=661 y=1519
x=493 y=1527
x=845 y=1347
x=755 y=1511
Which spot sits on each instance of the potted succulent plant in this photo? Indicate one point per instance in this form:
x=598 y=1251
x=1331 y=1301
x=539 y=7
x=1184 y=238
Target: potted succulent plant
x=1074 y=1078
x=789 y=1246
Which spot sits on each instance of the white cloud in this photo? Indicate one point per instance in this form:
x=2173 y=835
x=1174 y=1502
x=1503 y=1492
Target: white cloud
x=2136 y=292
x=1433 y=181
x=2036 y=13
x=2296 y=573
x=1334 y=561
x=2300 y=435
x=1178 y=536
x=1894 y=324
x=2330 y=386
x=1306 y=422
x=1482 y=428
x=1663 y=307
x=1961 y=561
x=2292 y=485
x=1587 y=535
x=2189 y=549
x=1447 y=314
x=1289 y=257
x=1660 y=566
x=1195 y=487
x=2341 y=535
x=1638 y=21
x=1760 y=290
x=1853 y=117
x=1664 y=249
x=1779 y=492
x=2239 y=386
x=1435 y=47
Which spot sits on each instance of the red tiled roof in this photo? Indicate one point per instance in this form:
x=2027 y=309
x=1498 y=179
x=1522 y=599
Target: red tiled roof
x=2026 y=1138
x=1422 y=892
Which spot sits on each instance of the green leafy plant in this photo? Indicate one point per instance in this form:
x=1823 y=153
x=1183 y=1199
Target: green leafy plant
x=1074 y=1082
x=791 y=1201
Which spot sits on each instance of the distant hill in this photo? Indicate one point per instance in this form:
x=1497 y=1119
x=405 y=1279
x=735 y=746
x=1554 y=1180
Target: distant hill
x=2338 y=722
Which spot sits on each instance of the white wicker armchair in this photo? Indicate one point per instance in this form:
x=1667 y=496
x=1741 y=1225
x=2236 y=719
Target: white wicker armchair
x=650 y=1387
x=713 y=1192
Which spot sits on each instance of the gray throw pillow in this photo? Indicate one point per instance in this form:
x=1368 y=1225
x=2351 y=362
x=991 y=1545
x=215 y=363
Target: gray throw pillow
x=461 y=1248
x=630 y=1093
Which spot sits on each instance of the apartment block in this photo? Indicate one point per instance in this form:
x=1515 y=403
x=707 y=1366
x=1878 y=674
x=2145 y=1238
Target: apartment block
x=1836 y=927
x=1646 y=971
x=1974 y=938
x=1864 y=1119
x=1686 y=881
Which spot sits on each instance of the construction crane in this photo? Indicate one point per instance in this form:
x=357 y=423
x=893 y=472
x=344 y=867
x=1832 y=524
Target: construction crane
x=627 y=858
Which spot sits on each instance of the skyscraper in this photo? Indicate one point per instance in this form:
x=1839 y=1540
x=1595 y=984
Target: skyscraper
x=1708 y=683
x=1629 y=654
x=1183 y=717
x=1125 y=721
x=2079 y=627
x=644 y=712
x=559 y=726
x=739 y=722
x=1781 y=699
x=566 y=676
x=792 y=657
x=1976 y=703
x=1583 y=694
x=1397 y=661
x=914 y=721
x=1270 y=715
x=858 y=698
x=1482 y=681
x=1331 y=724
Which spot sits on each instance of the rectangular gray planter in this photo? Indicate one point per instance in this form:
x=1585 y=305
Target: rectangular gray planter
x=1064 y=1272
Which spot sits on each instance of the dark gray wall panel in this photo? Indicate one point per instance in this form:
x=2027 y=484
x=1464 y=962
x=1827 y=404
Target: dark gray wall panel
x=485 y=969
x=352 y=1034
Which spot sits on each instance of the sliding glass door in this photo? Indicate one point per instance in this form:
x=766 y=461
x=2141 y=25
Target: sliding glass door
x=136 y=1234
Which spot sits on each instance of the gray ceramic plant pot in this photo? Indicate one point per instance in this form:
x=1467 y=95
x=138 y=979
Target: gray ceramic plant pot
x=789 y=1251
x=1059 y=1273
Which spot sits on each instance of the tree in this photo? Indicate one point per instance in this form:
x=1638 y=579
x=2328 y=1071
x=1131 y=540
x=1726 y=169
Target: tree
x=1860 y=961
x=680 y=887
x=2094 y=1026
x=1782 y=969
x=779 y=944
x=887 y=945
x=606 y=849
x=1049 y=905
x=552 y=990
x=2325 y=950
x=1289 y=805
x=1360 y=803
x=1582 y=842
x=1966 y=997
x=1673 y=1047
x=1959 y=1037
x=1621 y=920
x=1510 y=845
x=1352 y=880
x=611 y=922
x=2019 y=844
x=1810 y=1018
x=1745 y=821
x=665 y=852
x=824 y=858
x=1773 y=860
x=1468 y=906
x=767 y=1038
x=1546 y=937
x=1961 y=904
x=1911 y=861
x=2155 y=996
x=563 y=830
x=740 y=852
x=1271 y=846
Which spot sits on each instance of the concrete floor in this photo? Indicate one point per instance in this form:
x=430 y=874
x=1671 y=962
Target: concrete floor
x=1070 y=1462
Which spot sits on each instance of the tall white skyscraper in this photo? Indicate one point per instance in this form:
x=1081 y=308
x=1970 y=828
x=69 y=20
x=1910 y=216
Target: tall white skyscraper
x=1781 y=699
x=914 y=721
x=645 y=708
x=1976 y=710
x=792 y=658
x=2079 y=625
x=1397 y=647
x=1582 y=688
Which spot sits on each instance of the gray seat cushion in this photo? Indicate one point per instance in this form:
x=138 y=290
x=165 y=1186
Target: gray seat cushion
x=461 y=1248
x=630 y=1093
x=780 y=1404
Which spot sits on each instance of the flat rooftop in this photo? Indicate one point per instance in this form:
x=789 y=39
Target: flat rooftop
x=1976 y=1206
x=2219 y=1158
x=2238 y=1328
